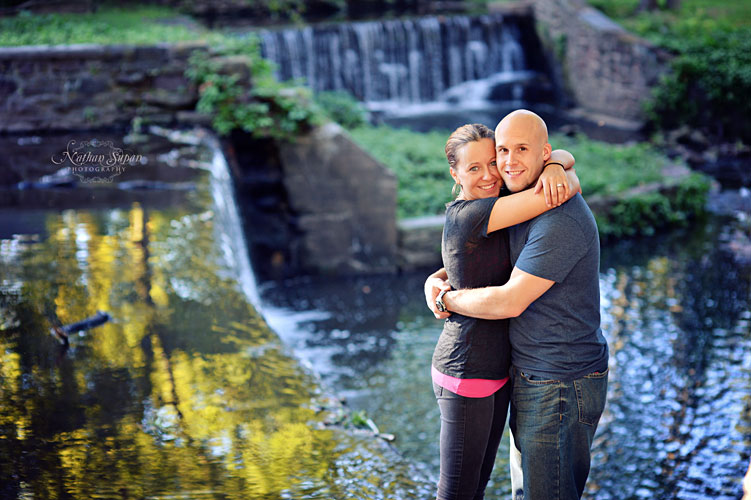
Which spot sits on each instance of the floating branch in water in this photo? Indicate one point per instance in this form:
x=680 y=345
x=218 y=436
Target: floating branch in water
x=62 y=332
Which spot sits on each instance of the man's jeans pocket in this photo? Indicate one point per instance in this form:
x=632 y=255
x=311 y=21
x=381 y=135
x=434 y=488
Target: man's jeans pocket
x=591 y=392
x=537 y=380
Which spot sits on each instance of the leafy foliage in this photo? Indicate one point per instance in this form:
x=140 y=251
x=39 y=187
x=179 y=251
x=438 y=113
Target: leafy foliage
x=263 y=107
x=342 y=108
x=644 y=214
x=710 y=78
x=708 y=86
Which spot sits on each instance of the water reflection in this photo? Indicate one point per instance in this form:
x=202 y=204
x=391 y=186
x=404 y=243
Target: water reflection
x=186 y=393
x=679 y=425
x=676 y=313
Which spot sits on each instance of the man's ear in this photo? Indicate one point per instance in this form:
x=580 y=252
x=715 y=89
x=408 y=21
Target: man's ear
x=547 y=150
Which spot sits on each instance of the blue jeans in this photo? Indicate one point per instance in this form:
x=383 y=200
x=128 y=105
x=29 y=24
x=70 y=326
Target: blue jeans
x=553 y=423
x=471 y=429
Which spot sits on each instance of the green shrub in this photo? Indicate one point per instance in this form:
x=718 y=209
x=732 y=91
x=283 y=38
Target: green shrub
x=710 y=78
x=342 y=108
x=644 y=214
x=708 y=87
x=265 y=108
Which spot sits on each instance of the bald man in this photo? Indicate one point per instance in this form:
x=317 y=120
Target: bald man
x=559 y=356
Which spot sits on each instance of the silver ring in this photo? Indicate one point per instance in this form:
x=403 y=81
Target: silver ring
x=559 y=185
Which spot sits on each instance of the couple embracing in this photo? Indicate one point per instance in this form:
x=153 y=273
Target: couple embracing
x=519 y=292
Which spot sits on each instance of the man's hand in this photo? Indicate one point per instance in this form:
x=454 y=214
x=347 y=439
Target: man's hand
x=433 y=286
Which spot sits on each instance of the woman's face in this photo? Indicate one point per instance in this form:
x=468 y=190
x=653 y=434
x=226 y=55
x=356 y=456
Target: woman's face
x=476 y=170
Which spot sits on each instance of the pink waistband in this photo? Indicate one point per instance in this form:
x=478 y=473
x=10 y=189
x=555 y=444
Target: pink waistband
x=467 y=387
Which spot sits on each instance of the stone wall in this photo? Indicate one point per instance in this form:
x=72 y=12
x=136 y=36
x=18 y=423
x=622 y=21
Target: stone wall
x=44 y=88
x=320 y=205
x=607 y=71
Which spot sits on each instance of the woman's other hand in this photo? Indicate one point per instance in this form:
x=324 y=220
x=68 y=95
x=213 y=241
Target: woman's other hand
x=554 y=183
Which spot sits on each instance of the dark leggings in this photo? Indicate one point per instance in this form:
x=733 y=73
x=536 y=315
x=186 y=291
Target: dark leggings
x=471 y=429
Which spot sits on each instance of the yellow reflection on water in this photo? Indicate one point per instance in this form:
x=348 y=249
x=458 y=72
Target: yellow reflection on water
x=185 y=390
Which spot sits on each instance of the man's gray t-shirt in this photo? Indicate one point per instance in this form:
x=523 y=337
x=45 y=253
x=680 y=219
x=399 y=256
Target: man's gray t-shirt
x=558 y=336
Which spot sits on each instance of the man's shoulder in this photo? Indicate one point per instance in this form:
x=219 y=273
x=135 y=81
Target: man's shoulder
x=573 y=209
x=572 y=215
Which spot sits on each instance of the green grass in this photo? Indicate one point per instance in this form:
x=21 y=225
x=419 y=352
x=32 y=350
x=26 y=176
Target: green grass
x=109 y=25
x=734 y=13
x=695 y=20
x=608 y=169
x=420 y=165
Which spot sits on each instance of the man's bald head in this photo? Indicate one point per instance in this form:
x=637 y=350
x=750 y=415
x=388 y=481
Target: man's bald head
x=524 y=121
x=521 y=141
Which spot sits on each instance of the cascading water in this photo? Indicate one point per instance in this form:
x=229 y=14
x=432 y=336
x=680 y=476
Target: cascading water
x=390 y=64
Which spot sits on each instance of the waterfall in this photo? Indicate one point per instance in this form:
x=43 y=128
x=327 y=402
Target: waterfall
x=229 y=232
x=400 y=62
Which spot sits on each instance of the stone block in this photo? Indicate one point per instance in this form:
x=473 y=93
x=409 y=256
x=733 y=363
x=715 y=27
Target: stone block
x=183 y=50
x=7 y=87
x=326 y=242
x=607 y=69
x=193 y=118
x=170 y=100
x=93 y=84
x=419 y=242
x=345 y=202
x=156 y=54
x=174 y=82
x=130 y=78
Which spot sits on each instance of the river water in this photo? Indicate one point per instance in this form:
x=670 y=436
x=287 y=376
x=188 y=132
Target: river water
x=206 y=384
x=676 y=312
x=186 y=392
